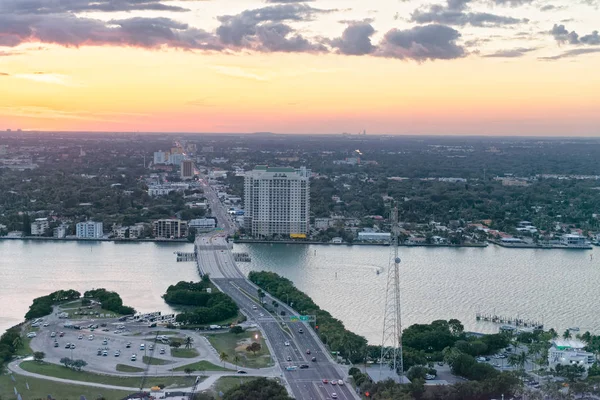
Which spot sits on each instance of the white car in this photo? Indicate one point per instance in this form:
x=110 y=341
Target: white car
x=45 y=324
x=429 y=377
x=286 y=343
x=53 y=334
x=334 y=395
x=341 y=382
x=31 y=335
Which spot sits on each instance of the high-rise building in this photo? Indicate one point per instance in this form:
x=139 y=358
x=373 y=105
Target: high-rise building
x=160 y=157
x=277 y=201
x=187 y=169
x=175 y=159
x=89 y=230
x=169 y=228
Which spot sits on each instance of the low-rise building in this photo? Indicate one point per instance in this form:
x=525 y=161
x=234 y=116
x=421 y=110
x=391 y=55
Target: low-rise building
x=569 y=352
x=89 y=230
x=573 y=240
x=374 y=236
x=203 y=224
x=39 y=226
x=169 y=229
x=60 y=232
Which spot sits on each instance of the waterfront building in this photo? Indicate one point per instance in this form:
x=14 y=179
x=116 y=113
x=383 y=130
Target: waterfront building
x=573 y=240
x=39 y=226
x=160 y=157
x=187 y=169
x=60 y=232
x=277 y=201
x=89 y=230
x=169 y=228
x=374 y=237
x=203 y=224
x=569 y=352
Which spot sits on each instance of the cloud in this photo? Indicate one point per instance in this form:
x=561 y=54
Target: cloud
x=512 y=3
x=50 y=78
x=551 y=7
x=421 y=43
x=264 y=29
x=4 y=74
x=562 y=35
x=288 y=1
x=511 y=53
x=355 y=40
x=453 y=13
x=572 y=53
x=43 y=7
x=238 y=72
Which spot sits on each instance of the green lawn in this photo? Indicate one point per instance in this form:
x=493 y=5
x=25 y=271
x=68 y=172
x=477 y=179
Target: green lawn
x=26 y=349
x=225 y=383
x=41 y=388
x=229 y=342
x=60 y=371
x=128 y=368
x=202 y=366
x=155 y=361
x=184 y=353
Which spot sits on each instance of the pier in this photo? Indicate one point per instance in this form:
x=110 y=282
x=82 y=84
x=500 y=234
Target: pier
x=241 y=257
x=507 y=320
x=181 y=256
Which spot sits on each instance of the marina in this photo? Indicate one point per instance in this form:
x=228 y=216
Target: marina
x=515 y=321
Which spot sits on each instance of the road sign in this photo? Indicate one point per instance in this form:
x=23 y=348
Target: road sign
x=303 y=318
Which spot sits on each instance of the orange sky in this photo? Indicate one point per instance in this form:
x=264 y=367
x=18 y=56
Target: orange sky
x=106 y=88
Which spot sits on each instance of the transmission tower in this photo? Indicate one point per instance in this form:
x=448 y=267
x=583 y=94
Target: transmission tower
x=391 y=345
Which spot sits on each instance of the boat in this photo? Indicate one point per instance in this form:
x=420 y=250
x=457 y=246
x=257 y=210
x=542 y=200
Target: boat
x=574 y=329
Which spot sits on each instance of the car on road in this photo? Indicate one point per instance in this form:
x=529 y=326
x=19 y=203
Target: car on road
x=304 y=366
x=117 y=353
x=105 y=353
x=31 y=335
x=291 y=368
x=334 y=395
x=133 y=357
x=53 y=334
x=80 y=337
x=286 y=343
x=341 y=382
x=241 y=372
x=68 y=346
x=142 y=346
x=99 y=352
x=128 y=345
x=333 y=381
x=325 y=381
x=61 y=334
x=308 y=351
x=45 y=324
x=91 y=337
x=441 y=364
x=288 y=358
x=55 y=344
x=105 y=342
x=151 y=347
x=72 y=346
x=429 y=377
x=162 y=351
x=254 y=307
x=314 y=359
x=300 y=330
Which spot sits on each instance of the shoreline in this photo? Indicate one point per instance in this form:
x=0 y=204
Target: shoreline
x=538 y=246
x=250 y=241
x=76 y=239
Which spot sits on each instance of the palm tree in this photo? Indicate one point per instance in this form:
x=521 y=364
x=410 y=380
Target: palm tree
x=188 y=342
x=518 y=360
x=17 y=343
x=236 y=360
x=223 y=357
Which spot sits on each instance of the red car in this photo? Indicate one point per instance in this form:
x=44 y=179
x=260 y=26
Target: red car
x=325 y=381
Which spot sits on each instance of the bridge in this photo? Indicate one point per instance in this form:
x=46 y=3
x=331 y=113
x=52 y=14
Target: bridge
x=215 y=258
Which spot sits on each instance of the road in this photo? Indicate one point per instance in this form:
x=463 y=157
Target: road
x=216 y=259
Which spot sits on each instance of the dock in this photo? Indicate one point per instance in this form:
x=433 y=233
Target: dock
x=508 y=320
x=241 y=257
x=182 y=256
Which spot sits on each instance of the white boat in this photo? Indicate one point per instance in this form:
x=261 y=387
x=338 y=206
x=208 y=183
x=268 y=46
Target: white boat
x=574 y=329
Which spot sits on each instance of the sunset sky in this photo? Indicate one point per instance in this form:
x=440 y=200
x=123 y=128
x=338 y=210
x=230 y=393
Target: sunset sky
x=474 y=67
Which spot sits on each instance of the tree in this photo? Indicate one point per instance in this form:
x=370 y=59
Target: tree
x=236 y=360
x=570 y=372
x=236 y=330
x=39 y=356
x=188 y=342
x=258 y=389
x=223 y=357
x=567 y=334
x=254 y=347
x=17 y=342
x=417 y=372
x=188 y=371
x=78 y=364
x=518 y=360
x=66 y=361
x=175 y=344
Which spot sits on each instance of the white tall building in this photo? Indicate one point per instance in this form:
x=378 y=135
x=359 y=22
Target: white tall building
x=160 y=157
x=277 y=201
x=176 y=159
x=89 y=230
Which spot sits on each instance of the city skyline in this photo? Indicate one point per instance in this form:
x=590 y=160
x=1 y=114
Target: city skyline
x=456 y=67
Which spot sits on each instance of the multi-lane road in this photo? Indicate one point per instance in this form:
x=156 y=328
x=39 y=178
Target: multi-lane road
x=282 y=336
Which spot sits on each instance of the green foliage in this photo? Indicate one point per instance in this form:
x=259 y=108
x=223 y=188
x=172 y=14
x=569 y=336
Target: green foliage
x=42 y=306
x=10 y=342
x=258 y=389
x=570 y=372
x=208 y=307
x=236 y=330
x=417 y=372
x=433 y=337
x=39 y=356
x=111 y=301
x=331 y=330
x=253 y=347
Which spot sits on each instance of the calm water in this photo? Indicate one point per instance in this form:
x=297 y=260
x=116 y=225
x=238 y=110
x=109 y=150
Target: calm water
x=559 y=286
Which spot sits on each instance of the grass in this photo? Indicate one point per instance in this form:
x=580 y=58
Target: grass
x=226 y=383
x=202 y=366
x=59 y=371
x=41 y=388
x=155 y=361
x=128 y=368
x=230 y=344
x=184 y=353
x=26 y=349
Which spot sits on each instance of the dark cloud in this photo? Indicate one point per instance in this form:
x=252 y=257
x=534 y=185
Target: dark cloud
x=76 y=6
x=511 y=53
x=356 y=21
x=551 y=7
x=512 y=3
x=562 y=35
x=263 y=29
x=69 y=30
x=421 y=43
x=355 y=40
x=454 y=13
x=572 y=53
x=4 y=74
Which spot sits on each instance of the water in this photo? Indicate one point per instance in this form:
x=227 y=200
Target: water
x=558 y=286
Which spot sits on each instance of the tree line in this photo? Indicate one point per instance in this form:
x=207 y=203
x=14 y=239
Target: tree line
x=110 y=301
x=42 y=306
